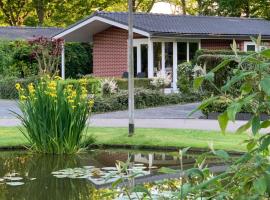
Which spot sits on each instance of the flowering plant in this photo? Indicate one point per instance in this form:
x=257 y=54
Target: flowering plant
x=54 y=116
x=108 y=86
x=161 y=81
x=47 y=52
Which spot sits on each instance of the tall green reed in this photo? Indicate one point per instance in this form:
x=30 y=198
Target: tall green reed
x=54 y=117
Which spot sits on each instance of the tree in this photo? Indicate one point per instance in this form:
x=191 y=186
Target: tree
x=14 y=12
x=184 y=7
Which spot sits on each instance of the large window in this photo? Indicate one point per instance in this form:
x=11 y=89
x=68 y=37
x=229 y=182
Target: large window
x=157 y=57
x=169 y=57
x=181 y=52
x=249 y=46
x=144 y=57
x=193 y=47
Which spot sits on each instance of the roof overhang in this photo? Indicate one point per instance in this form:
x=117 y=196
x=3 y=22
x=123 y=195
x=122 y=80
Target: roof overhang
x=84 y=31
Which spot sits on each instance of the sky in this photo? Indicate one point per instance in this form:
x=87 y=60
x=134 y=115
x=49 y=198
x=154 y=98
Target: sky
x=165 y=8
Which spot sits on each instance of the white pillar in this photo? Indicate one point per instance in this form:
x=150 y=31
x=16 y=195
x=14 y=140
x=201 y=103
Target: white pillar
x=139 y=59
x=175 y=66
x=150 y=58
x=188 y=52
x=163 y=69
x=63 y=61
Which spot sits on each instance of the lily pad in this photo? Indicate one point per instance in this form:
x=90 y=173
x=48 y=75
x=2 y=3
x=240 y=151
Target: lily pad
x=11 y=178
x=15 y=183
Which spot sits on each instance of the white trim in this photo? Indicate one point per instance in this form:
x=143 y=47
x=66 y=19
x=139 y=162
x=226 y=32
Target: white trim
x=246 y=44
x=163 y=60
x=137 y=42
x=139 y=59
x=101 y=19
x=150 y=58
x=188 y=59
x=175 y=66
x=63 y=62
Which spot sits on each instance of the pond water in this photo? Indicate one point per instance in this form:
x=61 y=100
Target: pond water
x=25 y=176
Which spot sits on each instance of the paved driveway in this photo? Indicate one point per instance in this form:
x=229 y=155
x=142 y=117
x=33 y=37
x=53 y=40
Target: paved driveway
x=165 y=112
x=6 y=106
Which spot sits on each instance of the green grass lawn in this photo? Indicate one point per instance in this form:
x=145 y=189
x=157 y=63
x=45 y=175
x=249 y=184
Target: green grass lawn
x=146 y=137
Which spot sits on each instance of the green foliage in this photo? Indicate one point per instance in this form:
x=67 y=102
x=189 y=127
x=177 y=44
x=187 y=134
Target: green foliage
x=185 y=77
x=138 y=83
x=7 y=89
x=78 y=59
x=54 y=117
x=92 y=84
x=17 y=60
x=248 y=177
x=143 y=98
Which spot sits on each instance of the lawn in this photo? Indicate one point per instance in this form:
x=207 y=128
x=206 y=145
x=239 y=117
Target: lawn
x=146 y=137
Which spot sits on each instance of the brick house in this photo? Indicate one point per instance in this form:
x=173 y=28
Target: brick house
x=161 y=41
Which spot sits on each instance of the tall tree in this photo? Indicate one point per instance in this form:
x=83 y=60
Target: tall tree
x=184 y=7
x=14 y=12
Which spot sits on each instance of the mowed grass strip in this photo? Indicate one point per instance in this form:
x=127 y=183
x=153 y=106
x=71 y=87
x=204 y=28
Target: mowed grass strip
x=11 y=136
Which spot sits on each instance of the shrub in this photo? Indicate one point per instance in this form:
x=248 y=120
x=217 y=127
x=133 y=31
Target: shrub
x=185 y=77
x=144 y=98
x=78 y=59
x=108 y=86
x=17 y=60
x=54 y=117
x=138 y=83
x=7 y=89
x=161 y=81
x=92 y=84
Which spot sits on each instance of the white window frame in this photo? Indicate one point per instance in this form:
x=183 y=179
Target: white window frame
x=246 y=44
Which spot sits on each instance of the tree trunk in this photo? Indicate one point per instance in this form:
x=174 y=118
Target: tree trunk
x=200 y=9
x=40 y=10
x=184 y=7
x=247 y=8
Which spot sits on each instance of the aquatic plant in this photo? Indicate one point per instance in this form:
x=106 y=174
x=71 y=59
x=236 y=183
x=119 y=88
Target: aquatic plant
x=54 y=116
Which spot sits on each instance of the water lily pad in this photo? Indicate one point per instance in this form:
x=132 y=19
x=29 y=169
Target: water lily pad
x=88 y=167
x=11 y=178
x=109 y=168
x=15 y=183
x=32 y=179
x=61 y=176
x=1 y=179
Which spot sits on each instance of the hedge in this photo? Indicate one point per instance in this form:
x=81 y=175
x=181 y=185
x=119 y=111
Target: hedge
x=138 y=83
x=144 y=98
x=93 y=85
x=16 y=59
x=7 y=86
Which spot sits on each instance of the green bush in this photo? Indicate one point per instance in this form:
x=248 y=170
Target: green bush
x=215 y=52
x=138 y=83
x=17 y=60
x=78 y=59
x=144 y=98
x=185 y=77
x=92 y=85
x=7 y=86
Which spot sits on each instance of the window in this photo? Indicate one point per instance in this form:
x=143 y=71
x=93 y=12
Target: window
x=157 y=57
x=249 y=46
x=144 y=57
x=181 y=52
x=193 y=47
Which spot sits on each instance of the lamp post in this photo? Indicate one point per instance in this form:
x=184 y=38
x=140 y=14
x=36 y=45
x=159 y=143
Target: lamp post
x=130 y=70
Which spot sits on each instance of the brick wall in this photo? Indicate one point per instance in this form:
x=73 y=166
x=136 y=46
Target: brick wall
x=110 y=52
x=218 y=44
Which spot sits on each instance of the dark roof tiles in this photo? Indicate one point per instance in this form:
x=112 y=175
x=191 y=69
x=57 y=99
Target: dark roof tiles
x=25 y=33
x=201 y=25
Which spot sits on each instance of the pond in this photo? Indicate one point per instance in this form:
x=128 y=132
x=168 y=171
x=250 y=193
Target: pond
x=26 y=176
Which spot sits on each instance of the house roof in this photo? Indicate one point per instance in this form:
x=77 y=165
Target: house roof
x=25 y=33
x=182 y=25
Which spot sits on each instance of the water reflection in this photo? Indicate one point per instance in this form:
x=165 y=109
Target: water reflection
x=48 y=187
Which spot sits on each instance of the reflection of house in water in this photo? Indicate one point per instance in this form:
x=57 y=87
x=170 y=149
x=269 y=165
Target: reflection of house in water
x=160 y=159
